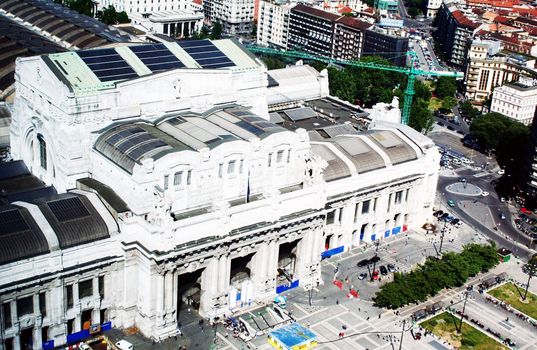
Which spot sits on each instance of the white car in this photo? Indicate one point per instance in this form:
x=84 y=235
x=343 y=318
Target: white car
x=484 y=193
x=501 y=172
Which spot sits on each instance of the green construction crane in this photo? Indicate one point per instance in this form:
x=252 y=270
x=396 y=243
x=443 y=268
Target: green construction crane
x=411 y=72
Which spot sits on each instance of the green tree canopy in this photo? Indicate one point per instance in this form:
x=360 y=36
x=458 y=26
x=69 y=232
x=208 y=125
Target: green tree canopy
x=468 y=110
x=110 y=16
x=84 y=7
x=216 y=32
x=445 y=86
x=448 y=103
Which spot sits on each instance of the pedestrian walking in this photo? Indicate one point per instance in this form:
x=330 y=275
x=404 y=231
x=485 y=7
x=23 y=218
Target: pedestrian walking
x=337 y=301
x=347 y=279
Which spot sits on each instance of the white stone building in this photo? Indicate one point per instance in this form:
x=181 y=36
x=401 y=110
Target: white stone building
x=235 y=16
x=175 y=189
x=176 y=24
x=516 y=100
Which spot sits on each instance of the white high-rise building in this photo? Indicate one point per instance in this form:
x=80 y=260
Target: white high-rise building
x=432 y=7
x=273 y=23
x=235 y=16
x=516 y=100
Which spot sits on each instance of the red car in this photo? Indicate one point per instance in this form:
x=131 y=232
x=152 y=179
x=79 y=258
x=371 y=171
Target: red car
x=375 y=275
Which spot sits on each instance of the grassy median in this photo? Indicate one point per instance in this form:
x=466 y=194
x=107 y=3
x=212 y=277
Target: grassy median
x=443 y=325
x=508 y=293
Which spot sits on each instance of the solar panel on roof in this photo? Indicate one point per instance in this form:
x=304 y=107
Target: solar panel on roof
x=115 y=138
x=68 y=209
x=206 y=54
x=300 y=113
x=107 y=64
x=137 y=152
x=11 y=221
x=265 y=125
x=157 y=57
x=251 y=128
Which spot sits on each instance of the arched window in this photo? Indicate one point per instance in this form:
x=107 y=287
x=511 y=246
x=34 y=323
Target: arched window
x=42 y=151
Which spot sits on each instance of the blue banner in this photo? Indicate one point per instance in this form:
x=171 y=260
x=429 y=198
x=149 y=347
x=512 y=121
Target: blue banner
x=78 y=336
x=328 y=253
x=285 y=287
x=106 y=326
x=373 y=237
x=386 y=233
x=396 y=230
x=48 y=345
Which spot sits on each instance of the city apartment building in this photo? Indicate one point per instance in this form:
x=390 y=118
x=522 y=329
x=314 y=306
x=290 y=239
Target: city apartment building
x=145 y=189
x=235 y=16
x=516 y=100
x=390 y=43
x=454 y=32
x=273 y=23
x=432 y=8
x=488 y=67
x=326 y=34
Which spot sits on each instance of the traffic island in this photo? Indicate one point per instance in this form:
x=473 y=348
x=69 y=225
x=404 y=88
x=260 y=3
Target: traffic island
x=509 y=294
x=445 y=326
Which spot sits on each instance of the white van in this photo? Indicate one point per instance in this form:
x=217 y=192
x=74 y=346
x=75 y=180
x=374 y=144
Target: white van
x=124 y=345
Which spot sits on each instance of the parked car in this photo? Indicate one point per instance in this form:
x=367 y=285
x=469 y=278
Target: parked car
x=438 y=213
x=455 y=221
x=375 y=275
x=502 y=216
x=451 y=203
x=444 y=216
x=392 y=268
x=484 y=193
x=383 y=270
x=363 y=263
x=362 y=276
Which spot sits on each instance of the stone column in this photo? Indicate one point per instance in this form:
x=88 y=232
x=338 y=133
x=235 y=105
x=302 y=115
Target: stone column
x=159 y=297
x=210 y=286
x=76 y=305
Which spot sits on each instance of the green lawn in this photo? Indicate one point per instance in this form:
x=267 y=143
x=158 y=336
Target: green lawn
x=470 y=338
x=508 y=293
x=435 y=103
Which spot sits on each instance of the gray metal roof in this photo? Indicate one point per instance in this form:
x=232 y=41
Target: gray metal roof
x=397 y=150
x=336 y=168
x=74 y=219
x=129 y=143
x=359 y=153
x=20 y=236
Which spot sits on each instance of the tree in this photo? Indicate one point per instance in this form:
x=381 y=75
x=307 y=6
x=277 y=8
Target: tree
x=448 y=103
x=421 y=118
x=216 y=32
x=468 y=110
x=109 y=16
x=84 y=7
x=445 y=86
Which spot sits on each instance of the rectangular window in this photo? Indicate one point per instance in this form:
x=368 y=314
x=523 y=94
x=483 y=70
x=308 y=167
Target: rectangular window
x=69 y=296
x=241 y=166
x=85 y=288
x=231 y=167
x=406 y=194
x=42 y=152
x=279 y=157
x=101 y=287
x=220 y=170
x=44 y=333
x=398 y=197
x=365 y=206
x=189 y=177
x=356 y=213
x=166 y=182
x=390 y=201
x=269 y=159
x=340 y=217
x=178 y=179
x=6 y=310
x=43 y=304
x=330 y=217
x=288 y=156
x=25 y=306
x=375 y=204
